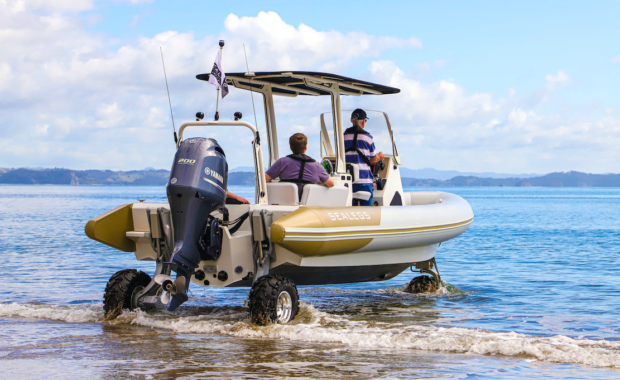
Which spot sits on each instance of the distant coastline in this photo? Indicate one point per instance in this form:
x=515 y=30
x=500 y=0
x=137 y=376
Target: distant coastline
x=153 y=177
x=560 y=179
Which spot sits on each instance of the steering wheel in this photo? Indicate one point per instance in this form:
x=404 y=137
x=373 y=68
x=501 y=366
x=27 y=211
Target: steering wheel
x=327 y=165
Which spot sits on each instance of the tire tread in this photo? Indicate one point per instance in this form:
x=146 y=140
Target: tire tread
x=264 y=297
x=119 y=289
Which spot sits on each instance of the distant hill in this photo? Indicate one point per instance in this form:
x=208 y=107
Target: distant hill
x=160 y=177
x=148 y=176
x=444 y=175
x=83 y=177
x=241 y=178
x=242 y=169
x=567 y=179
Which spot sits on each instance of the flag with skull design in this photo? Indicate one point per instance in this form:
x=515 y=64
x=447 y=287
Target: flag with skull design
x=217 y=77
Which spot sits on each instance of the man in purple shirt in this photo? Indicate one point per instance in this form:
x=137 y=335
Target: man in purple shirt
x=297 y=167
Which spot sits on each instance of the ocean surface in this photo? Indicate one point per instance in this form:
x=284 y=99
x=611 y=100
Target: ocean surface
x=535 y=293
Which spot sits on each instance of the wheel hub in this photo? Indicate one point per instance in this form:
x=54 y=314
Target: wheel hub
x=284 y=307
x=134 y=297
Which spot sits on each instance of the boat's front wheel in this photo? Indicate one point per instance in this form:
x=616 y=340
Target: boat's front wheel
x=425 y=284
x=120 y=292
x=273 y=299
x=422 y=284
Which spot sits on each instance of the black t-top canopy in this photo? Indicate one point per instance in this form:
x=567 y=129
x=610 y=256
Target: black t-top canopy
x=293 y=83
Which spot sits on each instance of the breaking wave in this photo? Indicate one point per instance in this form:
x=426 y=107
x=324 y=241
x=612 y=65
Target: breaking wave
x=316 y=326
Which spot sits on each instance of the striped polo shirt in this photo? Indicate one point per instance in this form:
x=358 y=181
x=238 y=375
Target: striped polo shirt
x=366 y=145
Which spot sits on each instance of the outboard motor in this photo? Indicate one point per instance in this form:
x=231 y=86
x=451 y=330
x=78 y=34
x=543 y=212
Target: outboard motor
x=197 y=187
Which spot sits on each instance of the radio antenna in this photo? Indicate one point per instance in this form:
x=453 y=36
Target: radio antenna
x=169 y=102
x=251 y=92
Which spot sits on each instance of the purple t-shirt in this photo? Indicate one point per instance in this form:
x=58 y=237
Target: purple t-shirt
x=288 y=168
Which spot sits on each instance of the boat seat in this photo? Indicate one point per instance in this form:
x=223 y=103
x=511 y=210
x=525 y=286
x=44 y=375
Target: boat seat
x=282 y=193
x=354 y=170
x=362 y=195
x=323 y=196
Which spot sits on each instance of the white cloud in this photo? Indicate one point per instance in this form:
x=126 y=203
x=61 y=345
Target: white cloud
x=439 y=102
x=156 y=118
x=5 y=76
x=298 y=48
x=558 y=80
x=482 y=132
x=109 y=116
x=17 y=6
x=68 y=79
x=41 y=129
x=616 y=59
x=97 y=107
x=136 y=18
x=299 y=128
x=437 y=64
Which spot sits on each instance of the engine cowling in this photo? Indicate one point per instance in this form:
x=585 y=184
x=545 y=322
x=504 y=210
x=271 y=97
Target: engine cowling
x=197 y=186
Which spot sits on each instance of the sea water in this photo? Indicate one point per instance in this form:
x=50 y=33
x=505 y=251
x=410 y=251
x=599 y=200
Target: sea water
x=534 y=291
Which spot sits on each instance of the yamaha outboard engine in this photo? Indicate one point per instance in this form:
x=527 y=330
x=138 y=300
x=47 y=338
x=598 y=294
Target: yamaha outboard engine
x=196 y=188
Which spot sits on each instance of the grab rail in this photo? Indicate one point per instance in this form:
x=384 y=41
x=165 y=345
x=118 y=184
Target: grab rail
x=261 y=196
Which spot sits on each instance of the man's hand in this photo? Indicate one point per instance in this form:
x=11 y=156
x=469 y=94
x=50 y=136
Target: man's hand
x=378 y=157
x=234 y=196
x=242 y=200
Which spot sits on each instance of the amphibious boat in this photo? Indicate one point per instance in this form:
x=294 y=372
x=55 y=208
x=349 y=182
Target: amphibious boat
x=280 y=240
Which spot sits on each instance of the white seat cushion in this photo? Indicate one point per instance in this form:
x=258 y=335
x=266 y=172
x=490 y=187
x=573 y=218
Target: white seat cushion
x=323 y=196
x=356 y=171
x=363 y=195
x=282 y=193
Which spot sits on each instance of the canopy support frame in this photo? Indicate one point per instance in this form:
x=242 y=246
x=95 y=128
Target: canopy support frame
x=334 y=89
x=265 y=89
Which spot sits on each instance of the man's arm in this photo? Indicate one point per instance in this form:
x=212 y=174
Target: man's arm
x=274 y=170
x=233 y=196
x=328 y=183
x=374 y=158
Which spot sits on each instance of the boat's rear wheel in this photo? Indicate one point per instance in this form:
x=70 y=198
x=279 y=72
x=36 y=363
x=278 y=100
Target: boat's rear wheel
x=120 y=292
x=273 y=299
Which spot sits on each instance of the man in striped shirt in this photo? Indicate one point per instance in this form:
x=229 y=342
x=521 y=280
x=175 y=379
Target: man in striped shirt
x=360 y=149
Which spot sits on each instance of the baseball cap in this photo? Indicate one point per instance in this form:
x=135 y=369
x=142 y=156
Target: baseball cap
x=359 y=114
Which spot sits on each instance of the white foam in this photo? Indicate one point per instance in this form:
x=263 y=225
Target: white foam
x=71 y=313
x=316 y=326
x=320 y=327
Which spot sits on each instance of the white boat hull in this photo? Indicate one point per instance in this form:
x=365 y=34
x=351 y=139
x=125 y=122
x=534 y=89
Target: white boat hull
x=377 y=244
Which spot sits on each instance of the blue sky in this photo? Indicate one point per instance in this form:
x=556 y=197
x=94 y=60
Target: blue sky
x=491 y=45
x=486 y=86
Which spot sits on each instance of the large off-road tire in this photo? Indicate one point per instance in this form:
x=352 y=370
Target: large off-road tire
x=121 y=287
x=422 y=284
x=273 y=299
